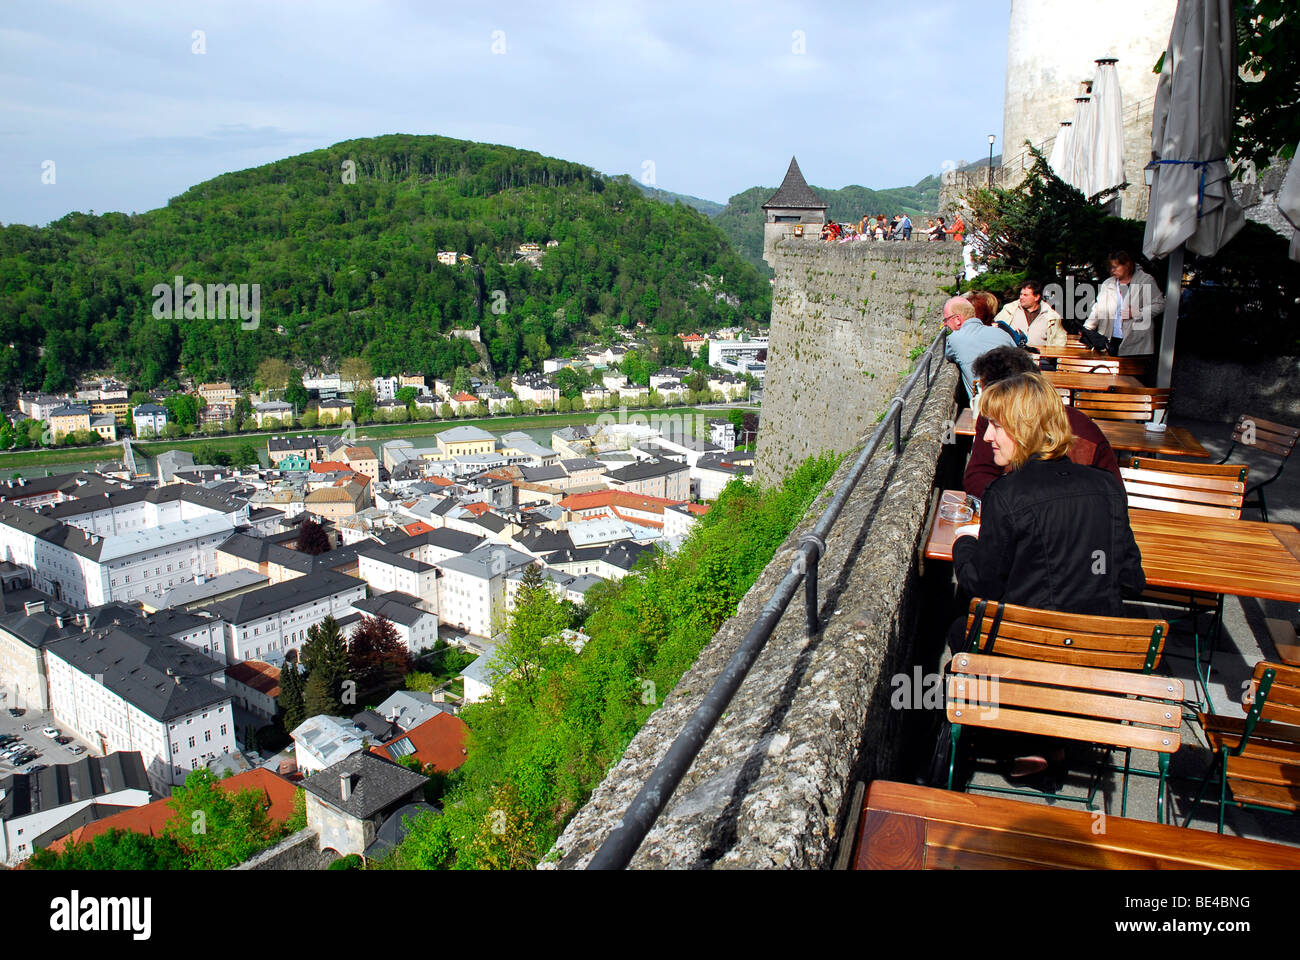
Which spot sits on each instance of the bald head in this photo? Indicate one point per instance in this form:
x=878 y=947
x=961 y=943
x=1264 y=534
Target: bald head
x=956 y=312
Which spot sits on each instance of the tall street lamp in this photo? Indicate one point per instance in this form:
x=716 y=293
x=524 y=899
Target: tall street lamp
x=992 y=137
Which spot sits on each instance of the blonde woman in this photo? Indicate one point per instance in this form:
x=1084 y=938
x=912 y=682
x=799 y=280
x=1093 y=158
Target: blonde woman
x=1054 y=534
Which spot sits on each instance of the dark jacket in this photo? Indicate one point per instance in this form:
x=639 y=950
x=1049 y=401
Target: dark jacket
x=1053 y=535
x=1090 y=448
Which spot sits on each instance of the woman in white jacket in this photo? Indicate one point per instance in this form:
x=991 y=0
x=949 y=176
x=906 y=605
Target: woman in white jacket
x=1126 y=308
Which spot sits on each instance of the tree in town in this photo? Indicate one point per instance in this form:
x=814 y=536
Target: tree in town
x=291 y=693
x=363 y=405
x=325 y=657
x=273 y=374
x=376 y=654
x=460 y=383
x=112 y=850
x=218 y=828
x=312 y=538
x=295 y=392
x=532 y=643
x=355 y=370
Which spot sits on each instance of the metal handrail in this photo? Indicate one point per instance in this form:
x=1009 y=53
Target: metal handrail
x=620 y=846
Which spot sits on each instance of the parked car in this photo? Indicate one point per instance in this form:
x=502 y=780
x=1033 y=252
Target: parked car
x=51 y=732
x=37 y=768
x=76 y=748
x=63 y=739
x=16 y=711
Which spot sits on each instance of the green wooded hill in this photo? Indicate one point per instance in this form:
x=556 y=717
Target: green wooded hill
x=742 y=218
x=349 y=269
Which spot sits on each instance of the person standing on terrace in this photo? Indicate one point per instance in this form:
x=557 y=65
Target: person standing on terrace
x=1126 y=307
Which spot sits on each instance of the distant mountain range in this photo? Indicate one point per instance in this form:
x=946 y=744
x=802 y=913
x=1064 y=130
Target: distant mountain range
x=741 y=218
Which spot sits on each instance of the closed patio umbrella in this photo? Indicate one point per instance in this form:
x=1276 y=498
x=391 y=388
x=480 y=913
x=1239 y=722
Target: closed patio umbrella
x=1191 y=206
x=1082 y=143
x=1062 y=159
x=1108 y=111
x=1288 y=204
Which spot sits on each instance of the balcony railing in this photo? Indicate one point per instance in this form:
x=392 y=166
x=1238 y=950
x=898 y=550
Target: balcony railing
x=621 y=845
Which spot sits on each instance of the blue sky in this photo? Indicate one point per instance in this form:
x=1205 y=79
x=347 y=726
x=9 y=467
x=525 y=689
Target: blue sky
x=716 y=96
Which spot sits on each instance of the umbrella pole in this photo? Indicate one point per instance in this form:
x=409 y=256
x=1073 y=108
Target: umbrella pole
x=1173 y=297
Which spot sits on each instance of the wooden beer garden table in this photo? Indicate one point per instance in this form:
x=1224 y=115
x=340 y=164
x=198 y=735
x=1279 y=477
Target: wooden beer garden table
x=1244 y=558
x=1123 y=435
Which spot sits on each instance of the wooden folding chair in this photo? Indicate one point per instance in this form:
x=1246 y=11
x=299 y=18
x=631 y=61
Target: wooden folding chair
x=1179 y=491
x=1101 y=363
x=1257 y=760
x=1113 y=709
x=1191 y=489
x=1082 y=640
x=1138 y=404
x=1273 y=438
x=1220 y=471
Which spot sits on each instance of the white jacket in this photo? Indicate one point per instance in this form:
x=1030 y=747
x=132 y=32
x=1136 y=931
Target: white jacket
x=1142 y=302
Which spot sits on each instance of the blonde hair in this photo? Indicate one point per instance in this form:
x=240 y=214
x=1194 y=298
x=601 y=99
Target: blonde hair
x=1028 y=408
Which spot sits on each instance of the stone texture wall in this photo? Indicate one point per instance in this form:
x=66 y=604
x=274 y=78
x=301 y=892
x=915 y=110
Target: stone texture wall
x=845 y=318
x=297 y=852
x=772 y=785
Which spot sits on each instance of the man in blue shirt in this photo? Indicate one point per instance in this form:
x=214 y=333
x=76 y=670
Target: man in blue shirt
x=969 y=339
x=905 y=227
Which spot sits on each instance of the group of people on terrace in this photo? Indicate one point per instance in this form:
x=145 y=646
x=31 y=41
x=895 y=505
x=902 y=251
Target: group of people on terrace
x=1047 y=482
x=899 y=227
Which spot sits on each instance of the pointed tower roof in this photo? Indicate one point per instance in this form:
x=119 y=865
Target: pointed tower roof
x=794 y=192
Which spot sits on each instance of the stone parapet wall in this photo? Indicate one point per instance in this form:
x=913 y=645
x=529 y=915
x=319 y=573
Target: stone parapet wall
x=845 y=320
x=771 y=787
x=299 y=851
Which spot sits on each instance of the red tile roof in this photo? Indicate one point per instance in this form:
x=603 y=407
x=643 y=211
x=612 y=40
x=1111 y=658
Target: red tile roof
x=478 y=509
x=150 y=819
x=603 y=499
x=329 y=466
x=440 y=740
x=261 y=676
x=417 y=528
x=465 y=398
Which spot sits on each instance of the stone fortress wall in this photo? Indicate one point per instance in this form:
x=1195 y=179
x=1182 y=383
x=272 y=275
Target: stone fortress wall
x=846 y=319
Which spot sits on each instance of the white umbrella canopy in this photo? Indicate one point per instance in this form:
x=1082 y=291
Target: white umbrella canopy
x=1083 y=142
x=1191 y=197
x=1288 y=204
x=1191 y=205
x=1062 y=159
x=1108 y=112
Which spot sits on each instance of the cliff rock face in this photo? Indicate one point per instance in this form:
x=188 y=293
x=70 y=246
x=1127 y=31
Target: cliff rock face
x=846 y=318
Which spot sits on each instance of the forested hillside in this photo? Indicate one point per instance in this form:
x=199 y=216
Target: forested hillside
x=350 y=268
x=742 y=219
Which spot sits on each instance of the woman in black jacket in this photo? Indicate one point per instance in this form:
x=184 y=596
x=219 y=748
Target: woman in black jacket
x=1053 y=534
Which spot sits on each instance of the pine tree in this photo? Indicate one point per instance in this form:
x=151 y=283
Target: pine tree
x=291 y=695
x=325 y=657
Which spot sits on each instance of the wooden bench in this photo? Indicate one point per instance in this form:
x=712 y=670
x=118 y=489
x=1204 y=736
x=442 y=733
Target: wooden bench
x=1101 y=363
x=905 y=827
x=1220 y=471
